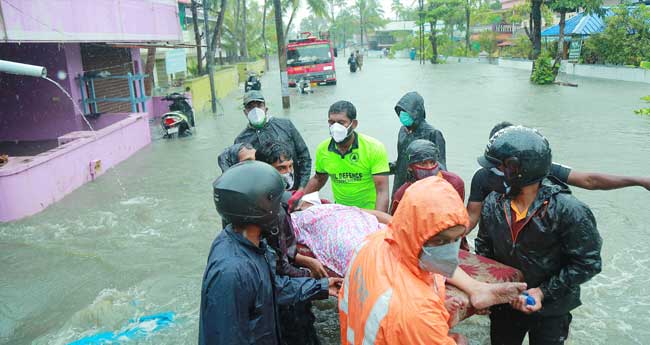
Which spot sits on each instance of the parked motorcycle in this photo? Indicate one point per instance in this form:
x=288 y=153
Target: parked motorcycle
x=180 y=118
x=252 y=83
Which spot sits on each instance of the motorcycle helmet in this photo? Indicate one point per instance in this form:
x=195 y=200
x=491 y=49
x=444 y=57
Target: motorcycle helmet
x=522 y=153
x=249 y=193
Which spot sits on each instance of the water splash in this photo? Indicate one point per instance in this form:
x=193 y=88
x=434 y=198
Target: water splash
x=81 y=113
x=76 y=106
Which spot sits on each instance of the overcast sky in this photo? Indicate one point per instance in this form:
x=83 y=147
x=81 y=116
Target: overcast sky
x=304 y=11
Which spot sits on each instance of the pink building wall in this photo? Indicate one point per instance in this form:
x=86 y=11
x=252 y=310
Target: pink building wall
x=89 y=21
x=33 y=108
x=28 y=187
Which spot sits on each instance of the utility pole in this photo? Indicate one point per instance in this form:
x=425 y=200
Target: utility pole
x=282 y=54
x=421 y=38
x=210 y=59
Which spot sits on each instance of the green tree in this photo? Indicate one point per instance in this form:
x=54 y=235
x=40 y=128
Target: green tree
x=316 y=7
x=488 y=41
x=543 y=70
x=370 y=16
x=625 y=40
x=440 y=10
x=564 y=6
x=313 y=24
x=343 y=27
x=397 y=8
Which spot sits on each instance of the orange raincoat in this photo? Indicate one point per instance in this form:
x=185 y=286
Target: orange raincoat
x=386 y=297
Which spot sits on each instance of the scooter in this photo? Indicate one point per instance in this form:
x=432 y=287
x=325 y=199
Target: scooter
x=180 y=117
x=304 y=85
x=252 y=83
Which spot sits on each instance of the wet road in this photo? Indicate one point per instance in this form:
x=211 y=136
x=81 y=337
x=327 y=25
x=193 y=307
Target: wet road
x=135 y=241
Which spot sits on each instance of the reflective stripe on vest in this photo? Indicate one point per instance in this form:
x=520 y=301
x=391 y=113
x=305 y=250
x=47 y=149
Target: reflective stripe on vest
x=377 y=314
x=350 y=336
x=343 y=306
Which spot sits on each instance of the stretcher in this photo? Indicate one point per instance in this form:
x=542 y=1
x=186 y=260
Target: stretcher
x=476 y=266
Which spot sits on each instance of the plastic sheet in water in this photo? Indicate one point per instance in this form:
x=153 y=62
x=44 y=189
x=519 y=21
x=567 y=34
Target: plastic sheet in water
x=137 y=329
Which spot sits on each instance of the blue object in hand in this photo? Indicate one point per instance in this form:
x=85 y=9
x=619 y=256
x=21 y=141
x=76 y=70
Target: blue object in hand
x=530 y=300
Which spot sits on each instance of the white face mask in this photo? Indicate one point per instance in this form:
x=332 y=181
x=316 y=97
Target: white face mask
x=339 y=132
x=256 y=117
x=440 y=259
x=288 y=180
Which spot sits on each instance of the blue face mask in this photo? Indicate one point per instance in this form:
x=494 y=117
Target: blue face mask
x=440 y=259
x=405 y=118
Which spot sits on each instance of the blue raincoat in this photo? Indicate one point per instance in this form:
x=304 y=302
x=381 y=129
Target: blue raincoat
x=241 y=292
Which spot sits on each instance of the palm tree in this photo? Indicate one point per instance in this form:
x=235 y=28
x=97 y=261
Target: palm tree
x=317 y=7
x=370 y=16
x=397 y=8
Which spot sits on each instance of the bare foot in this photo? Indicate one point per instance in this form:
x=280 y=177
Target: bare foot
x=498 y=293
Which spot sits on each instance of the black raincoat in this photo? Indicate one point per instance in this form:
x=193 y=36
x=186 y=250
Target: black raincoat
x=283 y=241
x=413 y=104
x=241 y=293
x=229 y=157
x=557 y=250
x=281 y=130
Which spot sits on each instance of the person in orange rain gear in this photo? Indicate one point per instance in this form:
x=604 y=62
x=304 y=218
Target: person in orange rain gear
x=394 y=289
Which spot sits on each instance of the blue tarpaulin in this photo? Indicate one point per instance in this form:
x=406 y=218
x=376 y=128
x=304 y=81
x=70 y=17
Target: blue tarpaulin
x=139 y=328
x=580 y=25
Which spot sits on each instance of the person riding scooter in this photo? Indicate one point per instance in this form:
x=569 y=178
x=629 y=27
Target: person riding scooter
x=180 y=117
x=252 y=82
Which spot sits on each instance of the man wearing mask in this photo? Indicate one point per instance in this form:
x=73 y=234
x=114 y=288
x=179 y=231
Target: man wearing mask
x=262 y=130
x=357 y=163
x=394 y=289
x=411 y=114
x=538 y=227
x=279 y=156
x=241 y=291
x=487 y=180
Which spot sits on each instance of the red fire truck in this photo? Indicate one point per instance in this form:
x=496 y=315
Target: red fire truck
x=312 y=59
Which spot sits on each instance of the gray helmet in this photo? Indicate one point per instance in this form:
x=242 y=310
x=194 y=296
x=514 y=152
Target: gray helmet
x=249 y=193
x=524 y=154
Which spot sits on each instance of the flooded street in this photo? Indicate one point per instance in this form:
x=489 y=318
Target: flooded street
x=135 y=241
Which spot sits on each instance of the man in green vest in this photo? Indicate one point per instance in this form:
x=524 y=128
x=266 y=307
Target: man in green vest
x=356 y=163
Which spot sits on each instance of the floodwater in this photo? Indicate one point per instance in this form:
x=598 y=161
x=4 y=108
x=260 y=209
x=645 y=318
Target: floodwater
x=135 y=241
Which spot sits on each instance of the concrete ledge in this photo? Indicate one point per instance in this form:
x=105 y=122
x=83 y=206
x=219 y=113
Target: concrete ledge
x=28 y=185
x=633 y=74
x=463 y=59
x=516 y=63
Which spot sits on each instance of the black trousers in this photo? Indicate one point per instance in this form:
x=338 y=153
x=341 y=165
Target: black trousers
x=509 y=327
x=297 y=324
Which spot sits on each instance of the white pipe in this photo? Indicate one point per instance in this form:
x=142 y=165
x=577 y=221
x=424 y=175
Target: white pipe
x=22 y=69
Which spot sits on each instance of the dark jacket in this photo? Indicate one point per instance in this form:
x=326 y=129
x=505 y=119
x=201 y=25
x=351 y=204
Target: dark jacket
x=229 y=157
x=413 y=104
x=284 y=242
x=281 y=130
x=241 y=293
x=557 y=250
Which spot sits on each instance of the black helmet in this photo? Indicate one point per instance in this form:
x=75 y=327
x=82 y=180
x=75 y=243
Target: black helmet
x=249 y=193
x=523 y=152
x=421 y=150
